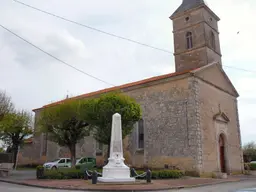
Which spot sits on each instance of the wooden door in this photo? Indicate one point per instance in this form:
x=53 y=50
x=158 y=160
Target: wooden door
x=222 y=154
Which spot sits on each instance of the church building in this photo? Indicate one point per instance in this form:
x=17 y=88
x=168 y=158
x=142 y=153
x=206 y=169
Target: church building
x=190 y=117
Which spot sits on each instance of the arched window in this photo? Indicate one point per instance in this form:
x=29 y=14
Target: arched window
x=213 y=41
x=189 y=40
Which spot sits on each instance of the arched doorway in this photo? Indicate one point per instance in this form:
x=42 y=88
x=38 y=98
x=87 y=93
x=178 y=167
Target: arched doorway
x=222 y=153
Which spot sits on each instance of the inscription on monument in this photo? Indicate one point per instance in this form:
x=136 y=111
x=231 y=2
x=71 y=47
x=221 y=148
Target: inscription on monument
x=117 y=146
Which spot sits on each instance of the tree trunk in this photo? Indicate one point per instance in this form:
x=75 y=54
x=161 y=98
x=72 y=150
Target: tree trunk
x=15 y=154
x=73 y=155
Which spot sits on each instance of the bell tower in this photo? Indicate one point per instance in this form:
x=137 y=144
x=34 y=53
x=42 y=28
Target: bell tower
x=196 y=35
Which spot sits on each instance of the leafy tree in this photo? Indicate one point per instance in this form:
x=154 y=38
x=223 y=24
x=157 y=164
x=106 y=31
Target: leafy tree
x=14 y=127
x=249 y=151
x=6 y=105
x=65 y=125
x=2 y=150
x=99 y=112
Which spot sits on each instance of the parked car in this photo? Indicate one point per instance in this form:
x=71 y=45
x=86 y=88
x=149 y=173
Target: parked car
x=85 y=162
x=58 y=163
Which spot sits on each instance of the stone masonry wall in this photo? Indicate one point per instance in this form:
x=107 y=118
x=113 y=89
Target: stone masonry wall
x=170 y=125
x=195 y=133
x=85 y=148
x=30 y=153
x=210 y=100
x=201 y=24
x=171 y=134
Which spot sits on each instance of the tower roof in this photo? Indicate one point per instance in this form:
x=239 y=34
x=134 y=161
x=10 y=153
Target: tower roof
x=191 y=4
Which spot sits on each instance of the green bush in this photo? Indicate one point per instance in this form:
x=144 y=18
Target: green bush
x=39 y=172
x=164 y=174
x=63 y=174
x=88 y=166
x=252 y=166
x=78 y=174
x=39 y=167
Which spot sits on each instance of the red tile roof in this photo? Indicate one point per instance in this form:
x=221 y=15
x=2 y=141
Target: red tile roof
x=141 y=82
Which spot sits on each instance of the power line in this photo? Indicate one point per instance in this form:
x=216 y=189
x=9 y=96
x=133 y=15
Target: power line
x=111 y=34
x=92 y=28
x=40 y=49
x=246 y=70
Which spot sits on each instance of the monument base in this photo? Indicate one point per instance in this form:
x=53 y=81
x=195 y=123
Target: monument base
x=116 y=174
x=116 y=180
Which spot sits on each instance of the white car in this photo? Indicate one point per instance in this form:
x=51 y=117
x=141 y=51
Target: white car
x=58 y=163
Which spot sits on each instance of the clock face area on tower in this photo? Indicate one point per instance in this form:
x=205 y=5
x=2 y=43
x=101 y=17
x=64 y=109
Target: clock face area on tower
x=196 y=35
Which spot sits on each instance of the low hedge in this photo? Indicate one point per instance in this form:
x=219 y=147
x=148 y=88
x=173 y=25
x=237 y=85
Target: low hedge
x=252 y=166
x=88 y=166
x=164 y=174
x=63 y=174
x=70 y=173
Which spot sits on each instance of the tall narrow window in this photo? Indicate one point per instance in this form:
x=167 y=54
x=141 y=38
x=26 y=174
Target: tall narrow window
x=213 y=41
x=141 y=134
x=189 y=40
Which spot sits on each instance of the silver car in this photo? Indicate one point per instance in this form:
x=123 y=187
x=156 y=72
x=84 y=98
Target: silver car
x=58 y=163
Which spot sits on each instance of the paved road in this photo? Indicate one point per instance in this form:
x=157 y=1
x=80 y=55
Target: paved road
x=5 y=187
x=227 y=187
x=22 y=174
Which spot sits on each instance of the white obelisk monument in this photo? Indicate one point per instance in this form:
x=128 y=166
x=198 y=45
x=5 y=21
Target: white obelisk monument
x=116 y=170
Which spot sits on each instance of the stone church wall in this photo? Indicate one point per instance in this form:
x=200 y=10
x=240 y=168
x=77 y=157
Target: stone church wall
x=171 y=134
x=169 y=125
x=85 y=148
x=30 y=153
x=212 y=100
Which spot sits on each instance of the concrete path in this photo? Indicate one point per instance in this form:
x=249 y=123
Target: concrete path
x=22 y=175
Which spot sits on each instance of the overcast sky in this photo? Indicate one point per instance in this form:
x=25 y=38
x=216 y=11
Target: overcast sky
x=33 y=79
